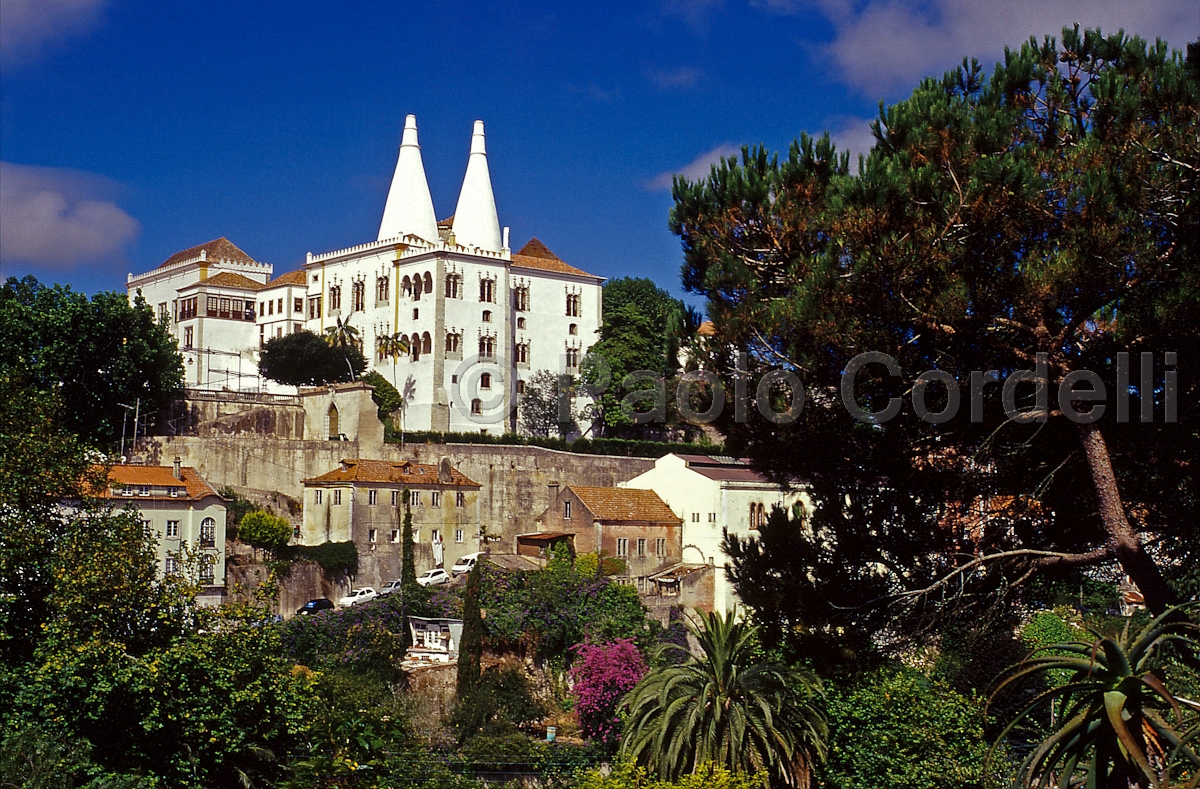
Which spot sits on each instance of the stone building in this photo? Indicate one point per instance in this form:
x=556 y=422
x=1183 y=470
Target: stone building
x=635 y=526
x=363 y=500
x=182 y=511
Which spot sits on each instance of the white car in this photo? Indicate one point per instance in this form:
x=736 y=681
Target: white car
x=465 y=564
x=389 y=587
x=357 y=596
x=433 y=578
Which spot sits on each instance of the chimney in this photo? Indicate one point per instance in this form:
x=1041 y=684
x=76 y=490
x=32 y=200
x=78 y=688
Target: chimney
x=409 y=208
x=553 y=491
x=178 y=468
x=475 y=220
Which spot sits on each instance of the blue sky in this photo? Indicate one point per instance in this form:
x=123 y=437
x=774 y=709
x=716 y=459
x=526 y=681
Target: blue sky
x=132 y=130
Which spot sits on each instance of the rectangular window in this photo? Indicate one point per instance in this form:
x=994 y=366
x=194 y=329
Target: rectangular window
x=188 y=337
x=572 y=358
x=395 y=536
x=170 y=566
x=172 y=528
x=415 y=498
x=143 y=490
x=573 y=302
x=435 y=499
x=314 y=307
x=359 y=292
x=316 y=497
x=335 y=298
x=459 y=536
x=522 y=353
x=695 y=517
x=187 y=308
x=279 y=305
x=210 y=305
x=208 y=533
x=372 y=496
x=298 y=304
x=521 y=299
x=641 y=546
x=487 y=290
x=337 y=496
x=146 y=526
x=270 y=308
x=435 y=535
x=460 y=499
x=660 y=546
x=371 y=535
x=206 y=568
x=622 y=546
x=566 y=510
x=382 y=288
x=163 y=315
x=712 y=517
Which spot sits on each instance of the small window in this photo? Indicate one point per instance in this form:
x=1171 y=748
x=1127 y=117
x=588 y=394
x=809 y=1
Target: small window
x=298 y=304
x=460 y=499
x=476 y=406
x=487 y=316
x=172 y=528
x=416 y=314
x=641 y=546
x=573 y=328
x=208 y=533
x=371 y=535
x=395 y=497
x=520 y=323
x=520 y=387
x=415 y=498
x=712 y=517
x=435 y=498
x=485 y=381
x=660 y=546
x=372 y=496
x=337 y=497
x=206 y=568
x=317 y=496
x=143 y=490
x=566 y=510
x=395 y=536
x=622 y=546
x=459 y=536
x=188 y=337
x=435 y=535
x=170 y=566
x=695 y=517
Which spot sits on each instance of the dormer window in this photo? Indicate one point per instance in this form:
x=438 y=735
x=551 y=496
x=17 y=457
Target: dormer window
x=143 y=490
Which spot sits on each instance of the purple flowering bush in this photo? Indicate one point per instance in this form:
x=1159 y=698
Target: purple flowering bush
x=603 y=674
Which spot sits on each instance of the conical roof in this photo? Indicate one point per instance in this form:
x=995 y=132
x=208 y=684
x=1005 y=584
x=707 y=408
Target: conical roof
x=475 y=220
x=409 y=207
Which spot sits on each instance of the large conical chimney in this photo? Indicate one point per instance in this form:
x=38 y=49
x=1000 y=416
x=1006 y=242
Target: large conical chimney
x=475 y=221
x=409 y=207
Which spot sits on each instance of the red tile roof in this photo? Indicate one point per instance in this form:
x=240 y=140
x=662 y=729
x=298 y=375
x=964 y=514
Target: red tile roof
x=291 y=278
x=218 y=249
x=389 y=472
x=722 y=468
x=535 y=255
x=624 y=504
x=227 y=279
x=155 y=477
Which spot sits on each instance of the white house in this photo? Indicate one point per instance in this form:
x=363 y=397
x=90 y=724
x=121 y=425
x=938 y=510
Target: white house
x=182 y=511
x=712 y=494
x=478 y=319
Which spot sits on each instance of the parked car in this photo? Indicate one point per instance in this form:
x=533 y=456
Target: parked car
x=357 y=596
x=389 y=587
x=433 y=578
x=465 y=564
x=313 y=606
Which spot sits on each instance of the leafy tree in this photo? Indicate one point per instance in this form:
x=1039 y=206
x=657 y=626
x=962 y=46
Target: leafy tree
x=93 y=353
x=386 y=398
x=1116 y=727
x=542 y=404
x=896 y=729
x=726 y=707
x=603 y=674
x=627 y=775
x=264 y=530
x=1049 y=209
x=470 y=646
x=499 y=705
x=304 y=359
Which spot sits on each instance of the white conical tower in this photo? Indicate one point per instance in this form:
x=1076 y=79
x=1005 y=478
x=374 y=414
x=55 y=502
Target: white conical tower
x=409 y=208
x=475 y=220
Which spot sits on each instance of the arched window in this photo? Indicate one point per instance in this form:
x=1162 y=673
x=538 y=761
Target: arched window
x=417 y=287
x=485 y=381
x=428 y=283
x=476 y=406
x=208 y=533
x=453 y=342
x=487 y=347
x=426 y=343
x=406 y=286
x=331 y=416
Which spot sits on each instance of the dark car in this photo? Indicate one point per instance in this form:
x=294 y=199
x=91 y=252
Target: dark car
x=313 y=606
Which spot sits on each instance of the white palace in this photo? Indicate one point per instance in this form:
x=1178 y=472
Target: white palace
x=478 y=318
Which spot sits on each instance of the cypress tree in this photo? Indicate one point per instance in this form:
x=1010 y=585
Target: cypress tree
x=408 y=570
x=470 y=647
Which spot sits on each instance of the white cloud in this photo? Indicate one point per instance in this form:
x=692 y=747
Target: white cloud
x=696 y=169
x=29 y=27
x=852 y=135
x=683 y=78
x=57 y=219
x=885 y=46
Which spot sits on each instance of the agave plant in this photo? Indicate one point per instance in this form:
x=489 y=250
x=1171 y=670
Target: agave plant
x=1119 y=726
x=726 y=707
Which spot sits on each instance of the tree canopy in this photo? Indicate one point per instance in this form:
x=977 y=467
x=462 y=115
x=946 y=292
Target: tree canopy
x=1043 y=219
x=95 y=354
x=305 y=359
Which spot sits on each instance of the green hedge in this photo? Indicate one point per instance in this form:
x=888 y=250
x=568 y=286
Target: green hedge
x=585 y=446
x=333 y=557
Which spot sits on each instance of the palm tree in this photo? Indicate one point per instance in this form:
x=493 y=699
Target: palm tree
x=395 y=346
x=343 y=336
x=727 y=708
x=1115 y=730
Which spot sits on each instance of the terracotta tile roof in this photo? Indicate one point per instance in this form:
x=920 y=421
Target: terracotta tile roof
x=291 y=278
x=228 y=279
x=155 y=477
x=535 y=255
x=624 y=504
x=218 y=249
x=447 y=222
x=389 y=472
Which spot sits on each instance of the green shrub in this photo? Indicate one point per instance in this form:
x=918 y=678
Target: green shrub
x=333 y=557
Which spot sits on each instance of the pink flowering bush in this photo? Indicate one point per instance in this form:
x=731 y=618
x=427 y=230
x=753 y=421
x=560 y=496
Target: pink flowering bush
x=603 y=673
